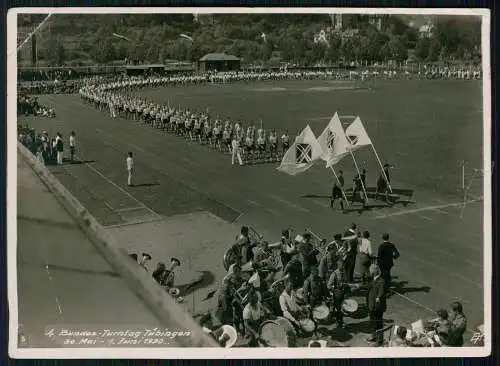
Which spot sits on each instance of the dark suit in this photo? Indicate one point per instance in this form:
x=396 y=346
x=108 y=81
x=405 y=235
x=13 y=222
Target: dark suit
x=387 y=252
x=376 y=309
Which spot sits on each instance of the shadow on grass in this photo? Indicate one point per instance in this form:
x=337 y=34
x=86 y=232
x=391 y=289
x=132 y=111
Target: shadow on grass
x=205 y=279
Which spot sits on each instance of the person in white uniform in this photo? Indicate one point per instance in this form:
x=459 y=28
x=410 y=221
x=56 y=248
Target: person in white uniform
x=130 y=168
x=236 y=151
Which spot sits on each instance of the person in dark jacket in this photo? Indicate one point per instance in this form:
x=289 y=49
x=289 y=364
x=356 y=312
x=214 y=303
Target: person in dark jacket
x=376 y=301
x=458 y=325
x=387 y=252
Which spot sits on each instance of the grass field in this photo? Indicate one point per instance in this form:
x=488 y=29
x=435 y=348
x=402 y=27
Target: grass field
x=424 y=128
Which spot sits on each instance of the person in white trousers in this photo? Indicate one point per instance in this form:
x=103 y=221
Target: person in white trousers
x=59 y=149
x=130 y=168
x=236 y=152
x=72 y=145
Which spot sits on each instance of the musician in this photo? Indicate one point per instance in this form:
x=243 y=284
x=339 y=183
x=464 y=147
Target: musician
x=442 y=327
x=365 y=255
x=145 y=259
x=314 y=288
x=458 y=324
x=225 y=308
x=254 y=314
x=244 y=243
x=328 y=263
x=159 y=273
x=351 y=240
x=337 y=287
x=293 y=270
x=307 y=257
x=288 y=248
x=289 y=306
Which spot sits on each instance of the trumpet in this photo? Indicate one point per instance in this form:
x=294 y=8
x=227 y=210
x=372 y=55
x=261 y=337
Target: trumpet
x=319 y=243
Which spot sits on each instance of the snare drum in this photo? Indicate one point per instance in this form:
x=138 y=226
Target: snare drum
x=277 y=333
x=307 y=325
x=349 y=306
x=321 y=314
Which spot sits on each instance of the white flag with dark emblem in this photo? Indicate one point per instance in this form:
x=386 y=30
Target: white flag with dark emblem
x=302 y=154
x=357 y=135
x=333 y=142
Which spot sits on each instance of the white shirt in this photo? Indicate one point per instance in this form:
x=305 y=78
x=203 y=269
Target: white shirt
x=252 y=313
x=72 y=141
x=365 y=247
x=130 y=163
x=288 y=303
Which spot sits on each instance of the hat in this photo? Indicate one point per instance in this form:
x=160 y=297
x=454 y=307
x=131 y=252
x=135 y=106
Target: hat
x=146 y=255
x=175 y=260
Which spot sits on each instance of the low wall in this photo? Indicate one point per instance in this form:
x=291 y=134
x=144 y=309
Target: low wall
x=161 y=303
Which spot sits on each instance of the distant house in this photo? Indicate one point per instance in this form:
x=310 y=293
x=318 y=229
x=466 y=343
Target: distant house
x=219 y=62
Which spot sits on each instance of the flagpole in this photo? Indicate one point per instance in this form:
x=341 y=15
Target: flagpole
x=359 y=174
x=383 y=171
x=340 y=184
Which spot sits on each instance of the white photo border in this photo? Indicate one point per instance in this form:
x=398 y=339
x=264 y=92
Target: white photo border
x=238 y=353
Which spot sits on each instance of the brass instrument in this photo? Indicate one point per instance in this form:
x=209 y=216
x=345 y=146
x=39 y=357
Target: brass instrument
x=318 y=243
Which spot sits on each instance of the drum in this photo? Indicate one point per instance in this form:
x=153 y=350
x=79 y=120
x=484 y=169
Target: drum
x=349 y=306
x=277 y=333
x=321 y=314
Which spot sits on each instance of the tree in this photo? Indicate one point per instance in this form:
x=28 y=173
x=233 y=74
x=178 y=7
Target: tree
x=423 y=48
x=434 y=50
x=333 y=50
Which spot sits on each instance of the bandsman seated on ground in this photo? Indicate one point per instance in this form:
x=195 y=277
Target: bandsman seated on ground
x=227 y=294
x=290 y=307
x=294 y=273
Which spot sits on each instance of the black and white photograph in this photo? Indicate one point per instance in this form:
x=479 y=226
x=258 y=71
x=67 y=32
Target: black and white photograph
x=208 y=183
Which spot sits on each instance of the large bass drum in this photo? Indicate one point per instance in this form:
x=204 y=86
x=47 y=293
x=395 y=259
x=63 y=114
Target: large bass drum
x=277 y=333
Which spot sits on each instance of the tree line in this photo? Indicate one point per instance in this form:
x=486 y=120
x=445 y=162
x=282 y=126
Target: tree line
x=256 y=38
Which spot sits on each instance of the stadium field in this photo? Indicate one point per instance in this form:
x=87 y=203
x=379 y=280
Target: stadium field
x=423 y=127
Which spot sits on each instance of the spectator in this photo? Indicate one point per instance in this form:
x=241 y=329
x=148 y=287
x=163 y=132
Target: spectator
x=365 y=255
x=72 y=145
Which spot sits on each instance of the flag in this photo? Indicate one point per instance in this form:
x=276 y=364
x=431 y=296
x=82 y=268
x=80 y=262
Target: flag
x=357 y=135
x=333 y=142
x=302 y=154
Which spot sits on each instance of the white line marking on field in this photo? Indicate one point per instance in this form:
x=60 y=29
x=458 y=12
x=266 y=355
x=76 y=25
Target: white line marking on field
x=425 y=217
x=130 y=223
x=253 y=203
x=272 y=211
x=288 y=203
x=123 y=191
x=236 y=219
x=422 y=209
x=321 y=203
x=128 y=209
x=439 y=211
x=347 y=116
x=137 y=147
x=98 y=129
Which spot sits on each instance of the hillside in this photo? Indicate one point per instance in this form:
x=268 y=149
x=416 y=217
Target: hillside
x=253 y=37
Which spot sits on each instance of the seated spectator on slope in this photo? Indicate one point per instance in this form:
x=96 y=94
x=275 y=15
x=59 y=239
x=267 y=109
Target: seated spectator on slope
x=458 y=325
